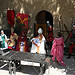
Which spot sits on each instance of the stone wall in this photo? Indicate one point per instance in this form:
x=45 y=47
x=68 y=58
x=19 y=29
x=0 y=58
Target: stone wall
x=63 y=11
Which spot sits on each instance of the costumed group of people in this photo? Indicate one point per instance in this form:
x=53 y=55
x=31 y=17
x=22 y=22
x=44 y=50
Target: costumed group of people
x=38 y=44
x=14 y=43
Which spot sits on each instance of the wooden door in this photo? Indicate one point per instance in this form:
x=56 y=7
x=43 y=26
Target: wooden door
x=44 y=27
x=41 y=18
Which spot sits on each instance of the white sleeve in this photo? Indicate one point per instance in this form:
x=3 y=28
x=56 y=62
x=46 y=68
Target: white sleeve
x=44 y=38
x=5 y=37
x=0 y=38
x=32 y=39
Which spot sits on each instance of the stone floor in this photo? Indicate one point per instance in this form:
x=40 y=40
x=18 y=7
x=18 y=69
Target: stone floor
x=69 y=69
x=54 y=68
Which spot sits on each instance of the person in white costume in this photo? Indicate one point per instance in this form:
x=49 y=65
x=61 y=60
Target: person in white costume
x=38 y=43
x=3 y=39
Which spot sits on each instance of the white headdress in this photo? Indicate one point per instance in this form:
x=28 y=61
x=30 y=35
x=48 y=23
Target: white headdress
x=47 y=21
x=40 y=30
x=2 y=31
x=73 y=25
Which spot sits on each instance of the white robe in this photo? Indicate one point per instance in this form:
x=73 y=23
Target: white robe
x=42 y=45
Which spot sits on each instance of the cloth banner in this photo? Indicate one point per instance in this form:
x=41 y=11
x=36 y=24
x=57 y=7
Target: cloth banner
x=23 y=19
x=11 y=17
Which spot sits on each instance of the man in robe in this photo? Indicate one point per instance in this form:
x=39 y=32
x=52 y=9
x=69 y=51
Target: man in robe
x=22 y=44
x=38 y=43
x=72 y=41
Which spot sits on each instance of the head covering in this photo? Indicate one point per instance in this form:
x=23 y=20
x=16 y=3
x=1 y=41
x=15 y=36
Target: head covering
x=2 y=31
x=74 y=25
x=40 y=30
x=47 y=21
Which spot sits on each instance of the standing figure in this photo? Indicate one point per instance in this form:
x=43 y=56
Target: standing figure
x=72 y=41
x=3 y=39
x=58 y=48
x=38 y=43
x=13 y=40
x=50 y=37
x=22 y=44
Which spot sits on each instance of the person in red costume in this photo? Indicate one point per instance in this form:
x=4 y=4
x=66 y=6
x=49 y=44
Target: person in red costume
x=22 y=44
x=72 y=41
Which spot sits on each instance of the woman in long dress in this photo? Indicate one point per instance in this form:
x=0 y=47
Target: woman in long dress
x=58 y=48
x=38 y=43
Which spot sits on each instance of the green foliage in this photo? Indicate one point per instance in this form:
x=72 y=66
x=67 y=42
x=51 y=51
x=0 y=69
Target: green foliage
x=18 y=27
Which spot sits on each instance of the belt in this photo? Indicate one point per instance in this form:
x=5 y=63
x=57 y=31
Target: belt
x=58 y=45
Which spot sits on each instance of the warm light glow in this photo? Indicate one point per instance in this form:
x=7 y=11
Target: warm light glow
x=26 y=0
x=22 y=10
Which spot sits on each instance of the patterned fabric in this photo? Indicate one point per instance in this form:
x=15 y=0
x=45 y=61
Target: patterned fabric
x=23 y=19
x=12 y=41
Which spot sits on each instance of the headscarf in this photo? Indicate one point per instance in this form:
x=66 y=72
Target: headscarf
x=40 y=30
x=2 y=31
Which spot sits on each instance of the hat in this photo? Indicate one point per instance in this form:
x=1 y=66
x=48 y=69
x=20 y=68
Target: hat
x=47 y=21
x=2 y=31
x=40 y=30
x=73 y=25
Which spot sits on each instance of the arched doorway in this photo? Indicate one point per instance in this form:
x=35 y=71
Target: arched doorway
x=41 y=21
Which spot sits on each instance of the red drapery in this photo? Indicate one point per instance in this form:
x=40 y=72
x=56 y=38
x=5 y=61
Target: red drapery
x=50 y=34
x=23 y=19
x=11 y=17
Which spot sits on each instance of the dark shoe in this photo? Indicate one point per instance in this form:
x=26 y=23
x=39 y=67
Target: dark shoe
x=69 y=56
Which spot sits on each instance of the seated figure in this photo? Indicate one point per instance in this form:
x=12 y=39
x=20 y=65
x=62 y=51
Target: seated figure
x=13 y=40
x=38 y=43
x=22 y=44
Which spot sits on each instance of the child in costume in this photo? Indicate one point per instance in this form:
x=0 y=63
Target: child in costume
x=58 y=48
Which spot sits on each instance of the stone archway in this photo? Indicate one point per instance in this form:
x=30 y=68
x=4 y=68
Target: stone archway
x=41 y=21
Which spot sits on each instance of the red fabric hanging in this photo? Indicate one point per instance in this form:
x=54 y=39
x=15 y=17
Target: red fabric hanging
x=23 y=19
x=11 y=17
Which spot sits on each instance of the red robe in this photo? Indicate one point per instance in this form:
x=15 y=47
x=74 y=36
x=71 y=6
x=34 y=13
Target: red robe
x=22 y=39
